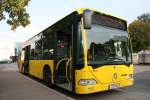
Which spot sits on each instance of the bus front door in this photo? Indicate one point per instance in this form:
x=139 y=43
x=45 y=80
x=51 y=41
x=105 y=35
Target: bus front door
x=63 y=61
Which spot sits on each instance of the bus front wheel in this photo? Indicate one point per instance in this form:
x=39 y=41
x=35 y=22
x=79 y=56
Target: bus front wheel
x=47 y=75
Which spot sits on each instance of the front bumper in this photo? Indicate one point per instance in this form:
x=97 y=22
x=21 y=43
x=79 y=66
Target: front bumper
x=101 y=87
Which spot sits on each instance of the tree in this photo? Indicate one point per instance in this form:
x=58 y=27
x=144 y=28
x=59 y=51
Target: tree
x=145 y=18
x=139 y=31
x=14 y=12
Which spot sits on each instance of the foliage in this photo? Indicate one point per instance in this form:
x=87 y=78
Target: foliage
x=139 y=31
x=145 y=18
x=14 y=12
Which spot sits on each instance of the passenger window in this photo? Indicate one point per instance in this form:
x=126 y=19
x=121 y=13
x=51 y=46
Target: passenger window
x=48 y=44
x=64 y=42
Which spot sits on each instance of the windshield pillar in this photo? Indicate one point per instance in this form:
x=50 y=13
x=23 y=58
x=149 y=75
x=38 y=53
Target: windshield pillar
x=84 y=43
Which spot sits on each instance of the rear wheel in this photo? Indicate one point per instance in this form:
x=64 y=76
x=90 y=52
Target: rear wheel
x=47 y=75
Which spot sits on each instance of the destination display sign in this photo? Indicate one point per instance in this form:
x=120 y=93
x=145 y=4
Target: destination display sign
x=109 y=21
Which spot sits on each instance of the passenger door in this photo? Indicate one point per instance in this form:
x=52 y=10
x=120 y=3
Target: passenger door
x=64 y=58
x=26 y=59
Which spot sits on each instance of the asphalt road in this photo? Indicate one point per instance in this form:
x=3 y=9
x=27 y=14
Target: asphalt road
x=15 y=86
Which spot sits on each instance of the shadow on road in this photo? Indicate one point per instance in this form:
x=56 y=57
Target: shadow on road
x=142 y=82
x=104 y=94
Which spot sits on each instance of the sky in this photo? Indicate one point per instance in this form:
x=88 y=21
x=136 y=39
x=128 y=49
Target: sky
x=6 y=49
x=44 y=13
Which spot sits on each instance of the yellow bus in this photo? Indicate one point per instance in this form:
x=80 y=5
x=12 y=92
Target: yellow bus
x=85 y=52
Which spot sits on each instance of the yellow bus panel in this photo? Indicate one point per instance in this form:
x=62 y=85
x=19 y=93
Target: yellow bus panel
x=105 y=76
x=36 y=67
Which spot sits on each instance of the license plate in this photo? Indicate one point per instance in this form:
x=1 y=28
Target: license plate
x=113 y=86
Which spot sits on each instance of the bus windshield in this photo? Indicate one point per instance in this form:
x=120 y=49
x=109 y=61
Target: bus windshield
x=107 y=45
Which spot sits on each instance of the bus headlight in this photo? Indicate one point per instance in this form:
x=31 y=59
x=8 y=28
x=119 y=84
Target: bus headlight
x=87 y=82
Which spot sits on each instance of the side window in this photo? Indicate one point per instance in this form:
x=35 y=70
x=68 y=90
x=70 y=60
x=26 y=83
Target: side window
x=62 y=45
x=64 y=42
x=48 y=44
x=32 y=53
x=42 y=46
x=38 y=54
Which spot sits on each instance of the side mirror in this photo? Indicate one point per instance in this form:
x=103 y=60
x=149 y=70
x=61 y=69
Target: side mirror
x=87 y=19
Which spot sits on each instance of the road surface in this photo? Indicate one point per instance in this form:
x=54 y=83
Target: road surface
x=15 y=86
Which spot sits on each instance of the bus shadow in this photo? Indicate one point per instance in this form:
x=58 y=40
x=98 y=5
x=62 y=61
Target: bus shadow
x=98 y=95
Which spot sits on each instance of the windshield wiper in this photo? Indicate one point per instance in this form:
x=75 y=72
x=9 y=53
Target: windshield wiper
x=116 y=59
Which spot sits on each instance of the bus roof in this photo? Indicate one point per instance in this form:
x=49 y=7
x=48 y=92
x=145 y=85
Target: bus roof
x=79 y=11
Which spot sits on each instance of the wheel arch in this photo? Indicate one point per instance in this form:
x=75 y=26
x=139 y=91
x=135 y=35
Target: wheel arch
x=46 y=66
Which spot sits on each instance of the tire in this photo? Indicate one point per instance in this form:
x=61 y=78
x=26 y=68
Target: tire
x=47 y=75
